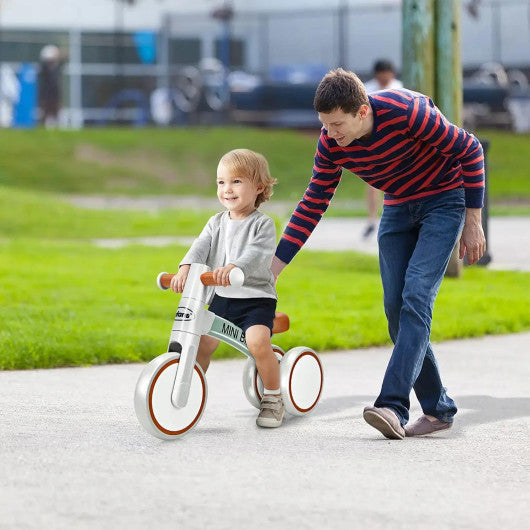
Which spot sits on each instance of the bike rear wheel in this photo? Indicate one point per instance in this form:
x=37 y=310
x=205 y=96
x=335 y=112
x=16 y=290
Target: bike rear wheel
x=301 y=380
x=252 y=384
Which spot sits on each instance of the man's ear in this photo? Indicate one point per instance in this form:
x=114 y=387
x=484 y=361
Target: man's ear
x=363 y=111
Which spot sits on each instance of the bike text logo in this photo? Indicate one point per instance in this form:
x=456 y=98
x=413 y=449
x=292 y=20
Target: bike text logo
x=185 y=314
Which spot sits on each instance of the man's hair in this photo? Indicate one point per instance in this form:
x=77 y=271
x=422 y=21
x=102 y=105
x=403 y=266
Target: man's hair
x=340 y=89
x=383 y=65
x=244 y=163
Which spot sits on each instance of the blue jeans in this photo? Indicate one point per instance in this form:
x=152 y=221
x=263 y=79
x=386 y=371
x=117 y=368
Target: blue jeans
x=415 y=243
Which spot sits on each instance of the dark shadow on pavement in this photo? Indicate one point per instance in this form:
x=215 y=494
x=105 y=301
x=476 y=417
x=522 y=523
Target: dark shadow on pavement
x=489 y=409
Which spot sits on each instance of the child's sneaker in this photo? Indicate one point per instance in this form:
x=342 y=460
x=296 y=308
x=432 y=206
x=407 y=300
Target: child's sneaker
x=271 y=412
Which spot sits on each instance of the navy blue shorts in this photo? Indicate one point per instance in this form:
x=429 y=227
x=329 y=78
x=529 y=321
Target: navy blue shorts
x=245 y=312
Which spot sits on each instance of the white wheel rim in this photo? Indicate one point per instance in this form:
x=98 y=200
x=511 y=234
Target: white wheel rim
x=305 y=382
x=164 y=415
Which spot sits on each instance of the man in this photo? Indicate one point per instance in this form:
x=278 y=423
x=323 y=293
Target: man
x=384 y=79
x=432 y=174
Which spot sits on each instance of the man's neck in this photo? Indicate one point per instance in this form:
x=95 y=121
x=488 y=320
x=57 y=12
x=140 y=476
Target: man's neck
x=368 y=125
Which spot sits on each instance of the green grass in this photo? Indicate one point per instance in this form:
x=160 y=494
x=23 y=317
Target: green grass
x=44 y=215
x=183 y=161
x=67 y=304
x=507 y=165
x=148 y=161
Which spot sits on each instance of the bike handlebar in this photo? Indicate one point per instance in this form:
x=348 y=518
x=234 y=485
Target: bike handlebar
x=236 y=278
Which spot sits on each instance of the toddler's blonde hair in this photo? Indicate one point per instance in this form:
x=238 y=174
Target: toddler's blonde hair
x=244 y=163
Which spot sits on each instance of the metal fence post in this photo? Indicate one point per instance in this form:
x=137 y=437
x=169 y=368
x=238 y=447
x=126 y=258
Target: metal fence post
x=76 y=119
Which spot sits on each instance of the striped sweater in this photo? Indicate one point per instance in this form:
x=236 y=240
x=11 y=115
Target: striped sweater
x=413 y=152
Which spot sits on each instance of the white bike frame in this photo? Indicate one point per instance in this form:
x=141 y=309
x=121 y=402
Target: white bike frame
x=193 y=320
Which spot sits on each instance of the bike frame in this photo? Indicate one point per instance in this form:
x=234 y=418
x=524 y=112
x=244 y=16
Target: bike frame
x=192 y=320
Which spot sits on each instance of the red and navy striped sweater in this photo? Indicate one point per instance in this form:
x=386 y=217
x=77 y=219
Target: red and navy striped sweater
x=413 y=152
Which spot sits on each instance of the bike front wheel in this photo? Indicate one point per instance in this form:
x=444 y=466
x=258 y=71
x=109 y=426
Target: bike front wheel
x=152 y=398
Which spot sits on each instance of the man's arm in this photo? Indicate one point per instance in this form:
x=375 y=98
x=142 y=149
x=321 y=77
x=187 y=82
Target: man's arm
x=472 y=239
x=429 y=125
x=314 y=203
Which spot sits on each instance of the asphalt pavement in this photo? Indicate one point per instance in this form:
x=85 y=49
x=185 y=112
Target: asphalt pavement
x=73 y=455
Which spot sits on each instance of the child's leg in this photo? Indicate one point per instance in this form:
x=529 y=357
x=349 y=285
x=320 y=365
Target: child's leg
x=258 y=339
x=207 y=346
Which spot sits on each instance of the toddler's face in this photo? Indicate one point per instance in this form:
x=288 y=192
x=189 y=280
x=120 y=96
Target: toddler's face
x=236 y=194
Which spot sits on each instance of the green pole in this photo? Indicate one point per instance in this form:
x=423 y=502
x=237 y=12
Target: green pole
x=418 y=46
x=448 y=94
x=431 y=63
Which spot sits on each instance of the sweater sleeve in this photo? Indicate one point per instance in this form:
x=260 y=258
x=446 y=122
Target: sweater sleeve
x=314 y=203
x=259 y=248
x=428 y=124
x=200 y=248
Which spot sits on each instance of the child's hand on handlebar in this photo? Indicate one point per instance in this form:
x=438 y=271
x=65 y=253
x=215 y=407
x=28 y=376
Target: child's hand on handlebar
x=221 y=275
x=179 y=280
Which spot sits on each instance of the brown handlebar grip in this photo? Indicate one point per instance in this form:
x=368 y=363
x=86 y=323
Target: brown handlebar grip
x=165 y=280
x=207 y=278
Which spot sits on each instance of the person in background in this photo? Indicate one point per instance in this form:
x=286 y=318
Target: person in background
x=384 y=79
x=49 y=79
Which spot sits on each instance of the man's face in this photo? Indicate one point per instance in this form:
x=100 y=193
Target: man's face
x=344 y=127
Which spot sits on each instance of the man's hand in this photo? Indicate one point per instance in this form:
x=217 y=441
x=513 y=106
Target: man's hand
x=179 y=280
x=472 y=240
x=277 y=266
x=221 y=275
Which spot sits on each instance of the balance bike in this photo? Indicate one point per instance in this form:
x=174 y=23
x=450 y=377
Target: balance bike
x=171 y=391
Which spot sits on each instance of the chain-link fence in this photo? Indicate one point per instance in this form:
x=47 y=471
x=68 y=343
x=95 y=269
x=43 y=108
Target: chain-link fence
x=163 y=76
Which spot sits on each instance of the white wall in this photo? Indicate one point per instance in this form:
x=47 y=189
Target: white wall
x=100 y=14
x=86 y=14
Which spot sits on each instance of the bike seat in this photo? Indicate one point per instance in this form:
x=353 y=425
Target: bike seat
x=280 y=323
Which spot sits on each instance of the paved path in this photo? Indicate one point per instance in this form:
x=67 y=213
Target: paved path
x=74 y=457
x=508 y=241
x=508 y=238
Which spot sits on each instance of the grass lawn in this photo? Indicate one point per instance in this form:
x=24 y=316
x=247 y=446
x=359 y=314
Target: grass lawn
x=69 y=304
x=66 y=302
x=30 y=214
x=183 y=161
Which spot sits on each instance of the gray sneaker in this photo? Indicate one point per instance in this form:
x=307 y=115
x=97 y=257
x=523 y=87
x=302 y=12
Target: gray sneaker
x=271 y=412
x=385 y=421
x=424 y=426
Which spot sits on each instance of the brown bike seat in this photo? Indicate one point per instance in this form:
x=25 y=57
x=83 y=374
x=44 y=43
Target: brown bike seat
x=280 y=323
